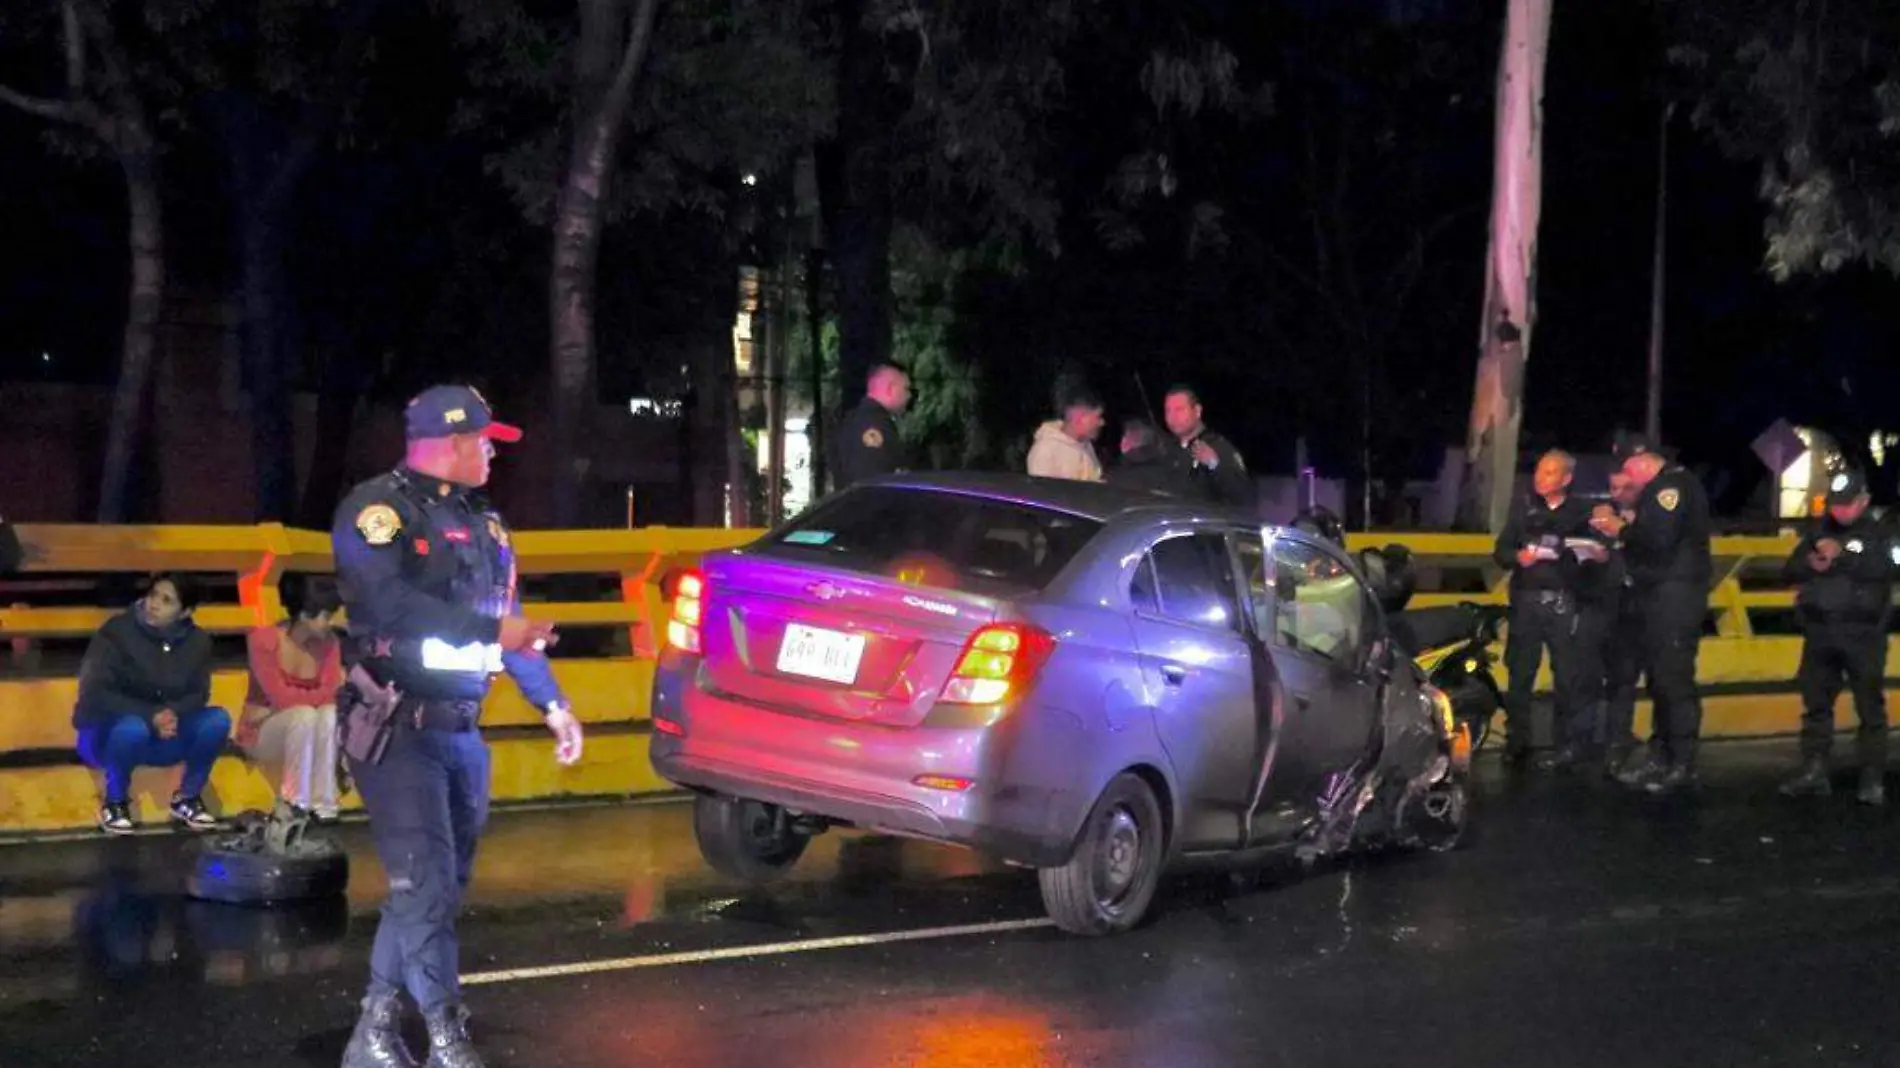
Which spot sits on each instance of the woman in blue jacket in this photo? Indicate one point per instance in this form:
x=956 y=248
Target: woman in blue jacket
x=144 y=693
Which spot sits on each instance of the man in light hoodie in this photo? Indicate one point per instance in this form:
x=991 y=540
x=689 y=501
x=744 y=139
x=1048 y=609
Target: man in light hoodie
x=1065 y=447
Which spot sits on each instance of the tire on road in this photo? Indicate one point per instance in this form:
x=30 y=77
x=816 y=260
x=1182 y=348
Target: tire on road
x=1107 y=886
x=250 y=877
x=746 y=840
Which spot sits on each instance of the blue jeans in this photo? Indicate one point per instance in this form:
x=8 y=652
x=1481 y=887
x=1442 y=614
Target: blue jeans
x=427 y=804
x=129 y=742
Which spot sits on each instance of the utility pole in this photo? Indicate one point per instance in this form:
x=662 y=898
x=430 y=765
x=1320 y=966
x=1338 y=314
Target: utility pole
x=1652 y=413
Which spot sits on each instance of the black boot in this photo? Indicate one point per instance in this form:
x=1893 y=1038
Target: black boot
x=1637 y=774
x=449 y=1044
x=1679 y=776
x=377 y=1042
x=1873 y=768
x=1812 y=782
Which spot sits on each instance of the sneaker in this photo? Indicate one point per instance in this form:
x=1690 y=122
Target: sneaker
x=115 y=817
x=191 y=812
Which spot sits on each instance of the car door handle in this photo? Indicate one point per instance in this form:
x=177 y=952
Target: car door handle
x=1173 y=674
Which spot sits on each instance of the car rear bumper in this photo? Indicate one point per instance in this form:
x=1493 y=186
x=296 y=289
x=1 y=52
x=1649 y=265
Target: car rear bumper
x=873 y=812
x=865 y=775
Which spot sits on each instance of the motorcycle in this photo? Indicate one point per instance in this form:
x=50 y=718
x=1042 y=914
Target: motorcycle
x=1451 y=644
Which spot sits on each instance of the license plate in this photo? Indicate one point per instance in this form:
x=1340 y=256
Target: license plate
x=820 y=654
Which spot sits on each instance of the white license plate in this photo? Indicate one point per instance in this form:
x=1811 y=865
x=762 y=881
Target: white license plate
x=820 y=654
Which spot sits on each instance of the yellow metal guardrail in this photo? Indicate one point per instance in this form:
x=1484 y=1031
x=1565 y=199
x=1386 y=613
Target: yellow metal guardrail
x=610 y=692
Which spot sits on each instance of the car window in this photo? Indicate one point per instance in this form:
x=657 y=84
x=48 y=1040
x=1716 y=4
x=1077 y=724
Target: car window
x=937 y=538
x=1253 y=572
x=1194 y=582
x=1319 y=607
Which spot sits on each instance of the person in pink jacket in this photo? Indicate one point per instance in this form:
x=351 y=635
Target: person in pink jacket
x=289 y=723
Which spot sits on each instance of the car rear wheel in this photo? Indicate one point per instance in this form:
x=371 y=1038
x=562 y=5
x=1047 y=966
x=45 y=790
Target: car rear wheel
x=746 y=840
x=1107 y=886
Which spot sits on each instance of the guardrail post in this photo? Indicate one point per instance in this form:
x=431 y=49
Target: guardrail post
x=1733 y=621
x=258 y=589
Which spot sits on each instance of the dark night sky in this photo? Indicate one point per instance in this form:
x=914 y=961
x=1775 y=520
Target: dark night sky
x=1742 y=350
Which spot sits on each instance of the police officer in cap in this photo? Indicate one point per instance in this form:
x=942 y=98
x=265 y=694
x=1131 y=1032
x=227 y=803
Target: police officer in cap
x=1844 y=573
x=1536 y=547
x=1666 y=546
x=866 y=444
x=428 y=575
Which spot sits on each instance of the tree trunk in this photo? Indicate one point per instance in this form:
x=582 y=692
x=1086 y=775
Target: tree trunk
x=815 y=337
x=339 y=390
x=1510 y=283
x=138 y=158
x=101 y=99
x=613 y=46
x=855 y=196
x=266 y=356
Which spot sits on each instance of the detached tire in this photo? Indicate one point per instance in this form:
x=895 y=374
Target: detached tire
x=228 y=869
x=1107 y=886
x=750 y=841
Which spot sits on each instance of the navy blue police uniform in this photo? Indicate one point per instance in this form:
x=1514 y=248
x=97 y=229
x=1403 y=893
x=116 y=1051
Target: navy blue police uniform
x=865 y=445
x=1844 y=607
x=1667 y=548
x=427 y=570
x=1613 y=624
x=1546 y=613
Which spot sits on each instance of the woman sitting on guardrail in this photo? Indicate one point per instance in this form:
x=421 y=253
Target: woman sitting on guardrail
x=289 y=719
x=144 y=693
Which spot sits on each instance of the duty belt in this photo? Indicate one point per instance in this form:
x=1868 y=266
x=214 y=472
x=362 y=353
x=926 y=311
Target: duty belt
x=454 y=717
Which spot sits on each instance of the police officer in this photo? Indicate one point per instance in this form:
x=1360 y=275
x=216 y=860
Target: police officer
x=866 y=444
x=1535 y=547
x=1667 y=547
x=1215 y=466
x=428 y=576
x=1615 y=627
x=1844 y=573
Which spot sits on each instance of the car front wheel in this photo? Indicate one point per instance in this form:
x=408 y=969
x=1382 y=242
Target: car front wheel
x=1107 y=886
x=746 y=840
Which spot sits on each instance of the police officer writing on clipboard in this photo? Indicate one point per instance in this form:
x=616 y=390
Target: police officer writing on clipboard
x=428 y=577
x=1844 y=573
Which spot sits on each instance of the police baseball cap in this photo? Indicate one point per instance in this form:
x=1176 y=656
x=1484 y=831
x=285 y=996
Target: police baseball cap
x=1628 y=445
x=1845 y=487
x=443 y=411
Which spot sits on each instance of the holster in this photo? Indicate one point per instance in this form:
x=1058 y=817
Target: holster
x=366 y=713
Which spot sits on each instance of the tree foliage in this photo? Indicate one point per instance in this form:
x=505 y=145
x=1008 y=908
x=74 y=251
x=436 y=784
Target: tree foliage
x=730 y=89
x=1809 y=90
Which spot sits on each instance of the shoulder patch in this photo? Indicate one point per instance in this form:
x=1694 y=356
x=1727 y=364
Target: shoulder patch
x=1669 y=498
x=379 y=524
x=873 y=438
x=497 y=533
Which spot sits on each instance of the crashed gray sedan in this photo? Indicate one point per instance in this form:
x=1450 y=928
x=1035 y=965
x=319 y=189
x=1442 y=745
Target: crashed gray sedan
x=1088 y=682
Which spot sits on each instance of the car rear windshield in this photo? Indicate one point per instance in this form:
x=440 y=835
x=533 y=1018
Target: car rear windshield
x=939 y=539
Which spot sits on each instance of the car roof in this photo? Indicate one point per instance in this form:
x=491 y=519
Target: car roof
x=1089 y=500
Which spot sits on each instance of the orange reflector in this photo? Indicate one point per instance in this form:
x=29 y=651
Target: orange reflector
x=1461 y=747
x=943 y=782
x=667 y=726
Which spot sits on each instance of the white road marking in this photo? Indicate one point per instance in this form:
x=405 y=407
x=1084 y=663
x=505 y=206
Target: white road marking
x=769 y=949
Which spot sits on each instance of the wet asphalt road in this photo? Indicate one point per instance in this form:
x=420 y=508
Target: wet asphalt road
x=1581 y=926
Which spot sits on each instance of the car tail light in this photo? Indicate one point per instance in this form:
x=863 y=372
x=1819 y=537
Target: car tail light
x=999 y=662
x=689 y=604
